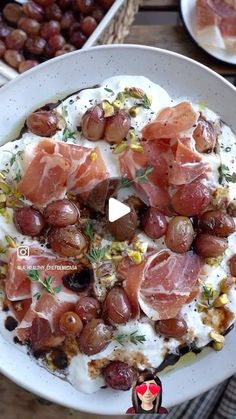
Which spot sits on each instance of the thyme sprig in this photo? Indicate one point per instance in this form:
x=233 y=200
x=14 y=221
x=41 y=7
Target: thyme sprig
x=34 y=276
x=96 y=255
x=131 y=337
x=141 y=177
x=225 y=175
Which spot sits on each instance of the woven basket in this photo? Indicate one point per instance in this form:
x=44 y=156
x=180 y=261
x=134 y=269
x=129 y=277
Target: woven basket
x=118 y=29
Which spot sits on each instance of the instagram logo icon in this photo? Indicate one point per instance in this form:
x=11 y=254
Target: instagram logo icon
x=23 y=251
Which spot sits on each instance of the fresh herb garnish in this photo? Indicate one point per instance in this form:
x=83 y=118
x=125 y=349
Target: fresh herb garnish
x=132 y=337
x=141 y=177
x=18 y=176
x=225 y=175
x=46 y=282
x=89 y=230
x=14 y=156
x=208 y=294
x=108 y=90
x=96 y=255
x=145 y=102
x=68 y=134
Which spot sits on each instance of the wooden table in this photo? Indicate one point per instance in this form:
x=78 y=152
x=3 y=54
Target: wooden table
x=173 y=37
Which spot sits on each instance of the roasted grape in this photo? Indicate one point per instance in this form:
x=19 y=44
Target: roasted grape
x=67 y=241
x=117 y=127
x=232 y=265
x=88 y=308
x=61 y=213
x=29 y=26
x=84 y=6
x=88 y=25
x=27 y=65
x=29 y=221
x=53 y=12
x=191 y=199
x=13 y=58
x=49 y=29
x=179 y=234
x=80 y=280
x=119 y=375
x=125 y=227
x=16 y=39
x=117 y=307
x=43 y=123
x=95 y=337
x=154 y=223
x=209 y=246
x=171 y=328
x=78 y=39
x=217 y=222
x=2 y=48
x=33 y=10
x=12 y=12
x=71 y=324
x=205 y=136
x=93 y=123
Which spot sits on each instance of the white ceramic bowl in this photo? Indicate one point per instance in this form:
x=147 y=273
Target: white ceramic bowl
x=181 y=77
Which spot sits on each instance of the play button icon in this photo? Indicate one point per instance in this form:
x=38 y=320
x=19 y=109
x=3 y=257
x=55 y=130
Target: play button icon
x=116 y=210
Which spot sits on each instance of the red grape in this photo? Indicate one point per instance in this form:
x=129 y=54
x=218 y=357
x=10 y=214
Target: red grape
x=232 y=265
x=44 y=3
x=53 y=12
x=98 y=14
x=33 y=10
x=191 y=199
x=29 y=221
x=28 y=25
x=13 y=58
x=67 y=241
x=2 y=48
x=209 y=246
x=67 y=20
x=217 y=222
x=117 y=127
x=93 y=123
x=61 y=213
x=117 y=306
x=48 y=29
x=56 y=42
x=125 y=227
x=27 y=65
x=35 y=45
x=78 y=39
x=16 y=39
x=119 y=375
x=12 y=12
x=171 y=328
x=154 y=223
x=88 y=308
x=80 y=280
x=84 y=6
x=179 y=234
x=71 y=324
x=88 y=25
x=95 y=337
x=4 y=30
x=42 y=123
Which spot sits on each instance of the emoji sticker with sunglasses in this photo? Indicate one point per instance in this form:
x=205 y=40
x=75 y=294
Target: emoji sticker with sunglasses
x=147 y=394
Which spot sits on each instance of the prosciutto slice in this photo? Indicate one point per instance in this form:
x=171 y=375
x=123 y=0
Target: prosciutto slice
x=162 y=283
x=56 y=168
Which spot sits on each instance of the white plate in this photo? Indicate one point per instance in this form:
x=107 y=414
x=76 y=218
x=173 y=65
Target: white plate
x=189 y=13
x=181 y=77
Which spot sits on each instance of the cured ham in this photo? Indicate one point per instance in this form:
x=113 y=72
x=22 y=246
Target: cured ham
x=171 y=122
x=57 y=167
x=162 y=283
x=216 y=23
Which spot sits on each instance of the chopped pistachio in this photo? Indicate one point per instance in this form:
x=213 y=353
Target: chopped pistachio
x=106 y=280
x=135 y=256
x=107 y=255
x=141 y=247
x=120 y=148
x=108 y=108
x=216 y=337
x=117 y=104
x=136 y=147
x=121 y=97
x=118 y=246
x=218 y=346
x=221 y=301
x=134 y=111
x=226 y=284
x=3 y=197
x=93 y=156
x=11 y=242
x=214 y=261
x=134 y=92
x=202 y=307
x=132 y=136
x=4 y=187
x=116 y=258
